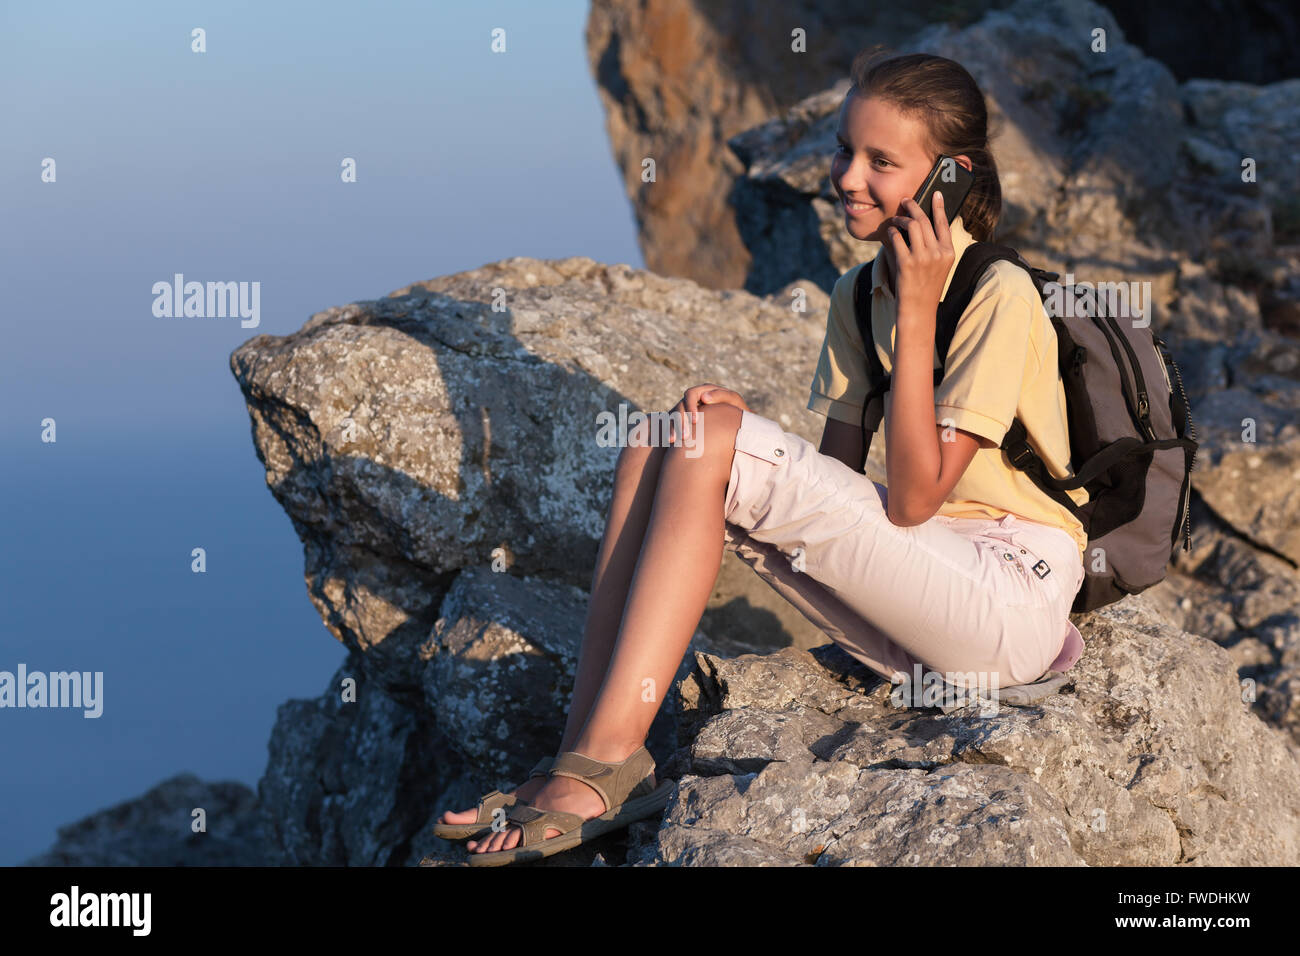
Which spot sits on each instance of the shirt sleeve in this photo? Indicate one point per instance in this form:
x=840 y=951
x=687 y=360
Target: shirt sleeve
x=839 y=386
x=989 y=359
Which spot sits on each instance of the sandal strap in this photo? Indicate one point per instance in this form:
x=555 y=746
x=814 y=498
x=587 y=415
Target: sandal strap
x=534 y=823
x=489 y=804
x=615 y=782
x=495 y=799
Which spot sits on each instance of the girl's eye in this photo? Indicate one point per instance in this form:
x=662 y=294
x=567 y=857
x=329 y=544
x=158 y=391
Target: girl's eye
x=841 y=148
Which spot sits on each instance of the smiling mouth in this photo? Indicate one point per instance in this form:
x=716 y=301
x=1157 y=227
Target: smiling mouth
x=857 y=208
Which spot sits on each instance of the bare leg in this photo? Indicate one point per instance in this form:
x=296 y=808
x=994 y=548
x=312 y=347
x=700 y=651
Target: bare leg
x=635 y=478
x=612 y=580
x=678 y=565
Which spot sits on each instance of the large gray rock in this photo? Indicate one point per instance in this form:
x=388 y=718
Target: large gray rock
x=348 y=775
x=1152 y=758
x=158 y=828
x=1231 y=122
x=1249 y=462
x=414 y=436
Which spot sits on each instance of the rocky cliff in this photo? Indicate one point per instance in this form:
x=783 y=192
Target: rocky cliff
x=436 y=452
x=396 y=435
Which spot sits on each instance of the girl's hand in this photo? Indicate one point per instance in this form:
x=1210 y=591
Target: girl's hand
x=922 y=269
x=706 y=394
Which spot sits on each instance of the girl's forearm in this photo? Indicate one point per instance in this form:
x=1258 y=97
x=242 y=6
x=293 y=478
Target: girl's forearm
x=912 y=456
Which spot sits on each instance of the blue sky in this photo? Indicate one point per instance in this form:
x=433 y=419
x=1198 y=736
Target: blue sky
x=225 y=166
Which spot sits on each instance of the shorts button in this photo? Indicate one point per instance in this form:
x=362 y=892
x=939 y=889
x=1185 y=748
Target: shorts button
x=779 y=452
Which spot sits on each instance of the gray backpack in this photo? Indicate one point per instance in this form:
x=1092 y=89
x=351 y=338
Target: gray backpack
x=1132 y=446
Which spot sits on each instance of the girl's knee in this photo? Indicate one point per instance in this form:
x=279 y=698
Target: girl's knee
x=709 y=437
x=717 y=427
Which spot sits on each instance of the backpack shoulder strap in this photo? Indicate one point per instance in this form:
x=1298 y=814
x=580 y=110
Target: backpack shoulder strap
x=873 y=406
x=977 y=257
x=1021 y=455
x=862 y=313
x=970 y=268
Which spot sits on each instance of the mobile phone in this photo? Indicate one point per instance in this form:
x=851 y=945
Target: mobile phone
x=950 y=178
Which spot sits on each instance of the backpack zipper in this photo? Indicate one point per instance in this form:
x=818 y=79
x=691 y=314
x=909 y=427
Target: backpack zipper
x=1191 y=428
x=1126 y=388
x=1191 y=433
x=1144 y=404
x=1163 y=369
x=1187 y=511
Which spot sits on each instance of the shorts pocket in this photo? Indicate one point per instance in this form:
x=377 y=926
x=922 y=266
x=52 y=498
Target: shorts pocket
x=763 y=439
x=761 y=446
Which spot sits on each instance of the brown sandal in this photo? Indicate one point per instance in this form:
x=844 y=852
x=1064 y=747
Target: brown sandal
x=488 y=804
x=624 y=787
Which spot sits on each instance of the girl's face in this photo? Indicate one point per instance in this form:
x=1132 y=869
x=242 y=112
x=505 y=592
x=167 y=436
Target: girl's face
x=881 y=160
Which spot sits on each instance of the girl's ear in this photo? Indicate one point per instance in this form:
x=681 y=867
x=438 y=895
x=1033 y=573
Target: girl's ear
x=965 y=162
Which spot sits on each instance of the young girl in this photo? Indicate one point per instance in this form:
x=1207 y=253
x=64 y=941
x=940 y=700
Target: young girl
x=960 y=565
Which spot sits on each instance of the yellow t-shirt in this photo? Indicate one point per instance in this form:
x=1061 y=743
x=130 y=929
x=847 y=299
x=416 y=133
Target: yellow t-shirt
x=1001 y=364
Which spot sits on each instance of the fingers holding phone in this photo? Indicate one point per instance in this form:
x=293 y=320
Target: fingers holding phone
x=950 y=179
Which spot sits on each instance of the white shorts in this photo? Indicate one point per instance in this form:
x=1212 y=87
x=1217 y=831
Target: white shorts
x=952 y=595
